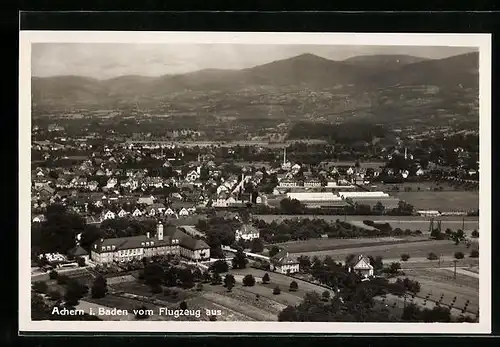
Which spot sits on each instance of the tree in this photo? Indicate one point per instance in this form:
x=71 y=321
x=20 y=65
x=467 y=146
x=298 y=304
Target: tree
x=289 y=314
x=53 y=274
x=40 y=287
x=405 y=257
x=58 y=232
x=294 y=286
x=276 y=290
x=273 y=251
x=378 y=208
x=291 y=206
x=155 y=289
x=458 y=255
x=325 y=295
x=304 y=262
x=239 y=260
x=248 y=281
x=74 y=292
x=432 y=256
x=229 y=282
x=377 y=263
x=437 y=235
x=54 y=295
x=153 y=274
x=256 y=246
x=62 y=279
x=183 y=306
x=394 y=268
x=205 y=277
x=81 y=261
x=219 y=266
x=99 y=287
x=265 y=278
x=474 y=253
x=411 y=286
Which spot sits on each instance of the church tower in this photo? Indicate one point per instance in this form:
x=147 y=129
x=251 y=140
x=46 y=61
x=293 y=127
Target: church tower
x=160 y=231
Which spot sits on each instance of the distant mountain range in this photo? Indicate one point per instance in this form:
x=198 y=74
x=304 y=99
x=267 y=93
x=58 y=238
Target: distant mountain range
x=366 y=73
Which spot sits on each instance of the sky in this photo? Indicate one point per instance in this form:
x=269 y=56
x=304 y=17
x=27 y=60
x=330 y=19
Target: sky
x=105 y=60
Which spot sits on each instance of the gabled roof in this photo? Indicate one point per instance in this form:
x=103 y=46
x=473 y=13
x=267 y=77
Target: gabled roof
x=78 y=251
x=282 y=258
x=130 y=242
x=362 y=263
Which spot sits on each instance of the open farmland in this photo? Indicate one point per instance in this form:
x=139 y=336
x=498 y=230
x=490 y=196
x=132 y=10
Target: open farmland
x=314 y=245
x=469 y=223
x=393 y=250
x=279 y=279
x=437 y=282
x=444 y=201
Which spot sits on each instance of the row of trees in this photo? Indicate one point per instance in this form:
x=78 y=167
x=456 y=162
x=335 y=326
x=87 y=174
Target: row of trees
x=304 y=229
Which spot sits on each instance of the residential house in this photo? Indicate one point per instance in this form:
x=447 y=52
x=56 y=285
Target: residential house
x=109 y=215
x=362 y=266
x=283 y=263
x=192 y=176
x=79 y=252
x=155 y=209
x=183 y=212
x=38 y=219
x=137 y=213
x=169 y=212
x=111 y=183
x=93 y=185
x=122 y=213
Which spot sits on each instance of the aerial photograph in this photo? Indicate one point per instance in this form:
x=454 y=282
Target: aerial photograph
x=254 y=182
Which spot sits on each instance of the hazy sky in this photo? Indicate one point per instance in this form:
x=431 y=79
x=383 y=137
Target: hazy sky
x=104 y=60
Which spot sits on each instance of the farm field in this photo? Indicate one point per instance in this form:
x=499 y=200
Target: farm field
x=444 y=201
x=394 y=250
x=279 y=279
x=332 y=244
x=469 y=223
x=437 y=282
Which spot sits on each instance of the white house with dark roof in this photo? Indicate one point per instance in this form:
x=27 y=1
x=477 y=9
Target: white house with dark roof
x=282 y=262
x=361 y=265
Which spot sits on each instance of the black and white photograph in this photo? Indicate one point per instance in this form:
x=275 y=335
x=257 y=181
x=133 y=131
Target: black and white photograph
x=292 y=182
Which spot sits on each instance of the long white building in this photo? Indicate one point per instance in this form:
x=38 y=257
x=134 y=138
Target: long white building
x=346 y=195
x=311 y=196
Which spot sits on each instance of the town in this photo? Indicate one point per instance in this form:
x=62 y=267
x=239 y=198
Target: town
x=142 y=211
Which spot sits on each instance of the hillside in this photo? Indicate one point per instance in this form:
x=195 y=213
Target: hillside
x=383 y=62
x=454 y=71
x=366 y=74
